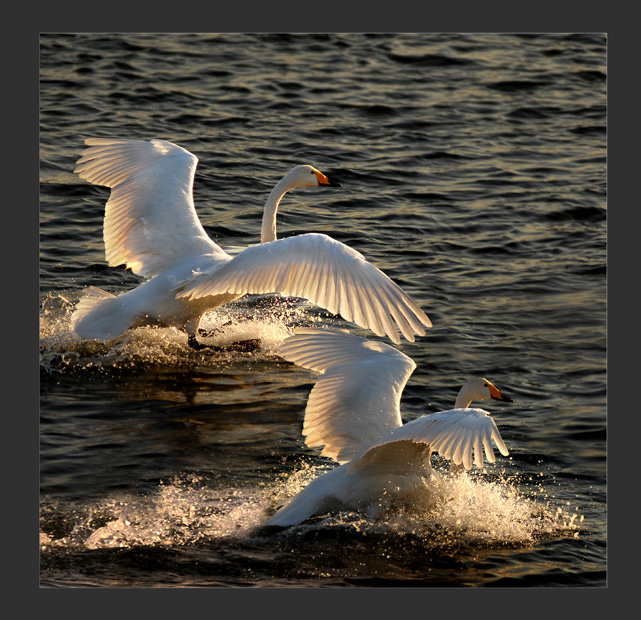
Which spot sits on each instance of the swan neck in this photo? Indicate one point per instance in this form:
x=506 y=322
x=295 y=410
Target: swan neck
x=462 y=401
x=268 y=230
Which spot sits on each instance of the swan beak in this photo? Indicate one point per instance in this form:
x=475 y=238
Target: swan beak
x=323 y=180
x=496 y=394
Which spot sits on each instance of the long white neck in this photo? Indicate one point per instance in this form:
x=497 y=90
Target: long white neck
x=268 y=230
x=462 y=400
x=469 y=392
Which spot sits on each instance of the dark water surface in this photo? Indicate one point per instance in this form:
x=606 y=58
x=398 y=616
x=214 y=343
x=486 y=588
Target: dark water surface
x=474 y=174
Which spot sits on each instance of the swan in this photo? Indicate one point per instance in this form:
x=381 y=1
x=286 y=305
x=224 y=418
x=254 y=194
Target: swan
x=353 y=411
x=152 y=227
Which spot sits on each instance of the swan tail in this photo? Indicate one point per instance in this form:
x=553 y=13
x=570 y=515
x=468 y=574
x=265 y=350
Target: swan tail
x=295 y=511
x=321 y=495
x=98 y=316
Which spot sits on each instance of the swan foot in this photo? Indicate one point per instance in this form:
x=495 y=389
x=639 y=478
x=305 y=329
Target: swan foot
x=194 y=344
x=210 y=333
x=456 y=470
x=242 y=345
x=245 y=346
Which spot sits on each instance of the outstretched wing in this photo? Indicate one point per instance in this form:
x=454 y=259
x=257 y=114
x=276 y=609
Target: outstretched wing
x=357 y=398
x=328 y=273
x=456 y=434
x=150 y=219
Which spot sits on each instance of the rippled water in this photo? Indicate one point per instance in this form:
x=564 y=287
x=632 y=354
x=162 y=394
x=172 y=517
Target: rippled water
x=473 y=172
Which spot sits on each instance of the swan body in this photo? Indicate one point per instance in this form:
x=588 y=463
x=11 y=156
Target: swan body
x=354 y=412
x=151 y=227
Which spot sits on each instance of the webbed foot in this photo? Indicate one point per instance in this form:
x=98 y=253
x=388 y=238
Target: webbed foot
x=242 y=345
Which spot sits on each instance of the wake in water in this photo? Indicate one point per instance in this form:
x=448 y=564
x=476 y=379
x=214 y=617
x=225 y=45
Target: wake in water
x=179 y=512
x=196 y=511
x=268 y=319
x=455 y=512
x=462 y=510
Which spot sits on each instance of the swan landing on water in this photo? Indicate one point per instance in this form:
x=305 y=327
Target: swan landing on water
x=353 y=411
x=151 y=227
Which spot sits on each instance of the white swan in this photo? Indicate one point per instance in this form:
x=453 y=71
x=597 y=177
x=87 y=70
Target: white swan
x=354 y=412
x=151 y=226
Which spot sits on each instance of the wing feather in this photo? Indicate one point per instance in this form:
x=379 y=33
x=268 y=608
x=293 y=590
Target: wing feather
x=313 y=281
x=401 y=457
x=478 y=452
x=316 y=264
x=489 y=453
x=357 y=398
x=455 y=434
x=150 y=219
x=377 y=312
x=498 y=440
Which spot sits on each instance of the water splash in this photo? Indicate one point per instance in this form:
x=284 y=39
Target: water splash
x=471 y=509
x=183 y=511
x=268 y=319
x=454 y=513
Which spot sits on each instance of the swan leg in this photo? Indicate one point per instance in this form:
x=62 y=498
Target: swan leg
x=194 y=344
x=193 y=329
x=456 y=470
x=251 y=344
x=242 y=345
x=210 y=333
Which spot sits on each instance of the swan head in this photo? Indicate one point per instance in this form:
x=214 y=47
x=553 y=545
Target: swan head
x=300 y=176
x=479 y=389
x=308 y=176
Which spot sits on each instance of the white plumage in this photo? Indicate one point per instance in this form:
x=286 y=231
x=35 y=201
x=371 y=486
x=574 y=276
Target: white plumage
x=354 y=412
x=152 y=227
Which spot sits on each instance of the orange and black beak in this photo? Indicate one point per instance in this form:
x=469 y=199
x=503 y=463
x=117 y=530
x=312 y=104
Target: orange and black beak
x=323 y=180
x=496 y=394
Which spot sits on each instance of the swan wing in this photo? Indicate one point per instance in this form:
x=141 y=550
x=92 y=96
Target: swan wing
x=392 y=458
x=328 y=273
x=150 y=219
x=459 y=435
x=357 y=398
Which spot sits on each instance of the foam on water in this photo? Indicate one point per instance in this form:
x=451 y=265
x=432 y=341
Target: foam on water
x=181 y=511
x=454 y=512
x=269 y=320
x=482 y=508
x=469 y=509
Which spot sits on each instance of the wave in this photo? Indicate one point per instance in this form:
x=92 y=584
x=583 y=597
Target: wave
x=195 y=509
